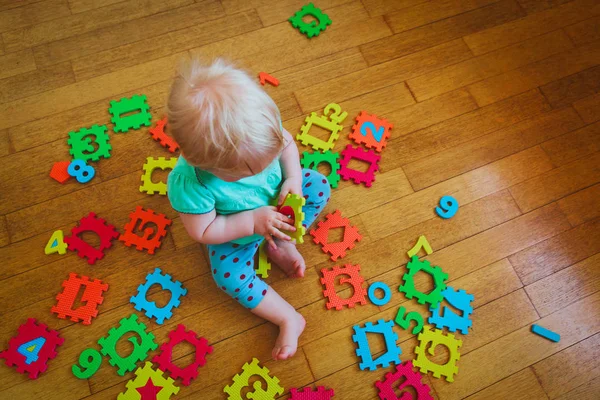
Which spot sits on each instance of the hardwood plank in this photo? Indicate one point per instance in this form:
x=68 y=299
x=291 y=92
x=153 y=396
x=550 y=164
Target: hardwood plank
x=485 y=66
x=532 y=25
x=6 y=146
x=16 y=63
x=47 y=388
x=521 y=348
x=566 y=286
x=495 y=146
x=520 y=386
x=33 y=14
x=381 y=7
x=79 y=6
x=37 y=81
x=441 y=31
x=557 y=183
x=583 y=359
x=585 y=31
x=273 y=13
x=4 y=237
x=565 y=91
x=10 y=4
x=587 y=391
x=135 y=30
x=382 y=75
x=71 y=25
x=581 y=206
x=589 y=108
x=573 y=145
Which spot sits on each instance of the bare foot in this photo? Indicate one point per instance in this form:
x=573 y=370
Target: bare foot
x=288 y=258
x=287 y=341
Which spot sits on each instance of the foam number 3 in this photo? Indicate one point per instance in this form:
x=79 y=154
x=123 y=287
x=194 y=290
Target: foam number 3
x=376 y=133
x=90 y=360
x=447 y=208
x=404 y=320
x=422 y=243
x=81 y=171
x=31 y=349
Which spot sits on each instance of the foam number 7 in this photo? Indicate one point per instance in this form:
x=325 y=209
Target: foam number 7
x=404 y=320
x=89 y=359
x=81 y=171
x=447 y=208
x=422 y=243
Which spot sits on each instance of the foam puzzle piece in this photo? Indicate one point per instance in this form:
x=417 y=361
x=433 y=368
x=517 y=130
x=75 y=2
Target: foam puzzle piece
x=59 y=171
x=404 y=320
x=387 y=293
x=428 y=341
x=295 y=202
x=546 y=333
x=264 y=266
x=81 y=143
x=106 y=232
x=56 y=244
x=392 y=354
x=354 y=279
x=141 y=344
x=422 y=243
x=447 y=208
x=164 y=359
x=240 y=381
x=336 y=249
x=461 y=301
x=158 y=134
x=308 y=393
x=90 y=360
x=266 y=78
x=141 y=302
x=122 y=122
x=92 y=297
x=312 y=28
x=331 y=120
x=367 y=177
x=145 y=242
x=434 y=297
x=312 y=161
x=409 y=378
x=38 y=345
x=81 y=171
x=151 y=164
x=371 y=131
x=149 y=383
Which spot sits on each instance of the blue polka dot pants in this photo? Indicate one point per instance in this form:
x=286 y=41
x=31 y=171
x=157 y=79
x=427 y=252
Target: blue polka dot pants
x=232 y=264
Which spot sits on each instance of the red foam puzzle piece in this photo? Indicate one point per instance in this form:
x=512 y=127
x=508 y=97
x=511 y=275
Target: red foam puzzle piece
x=404 y=371
x=308 y=393
x=28 y=332
x=92 y=296
x=59 y=171
x=164 y=359
x=158 y=134
x=337 y=249
x=106 y=232
x=264 y=78
x=355 y=279
x=358 y=177
x=145 y=242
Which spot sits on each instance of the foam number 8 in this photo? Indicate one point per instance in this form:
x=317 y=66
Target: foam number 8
x=89 y=359
x=448 y=207
x=81 y=171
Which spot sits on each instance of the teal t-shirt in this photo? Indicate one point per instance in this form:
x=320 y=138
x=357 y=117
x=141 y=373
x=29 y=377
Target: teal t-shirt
x=194 y=191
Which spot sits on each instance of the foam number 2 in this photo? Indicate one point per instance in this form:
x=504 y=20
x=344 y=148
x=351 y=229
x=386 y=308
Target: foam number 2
x=404 y=320
x=31 y=349
x=56 y=244
x=422 y=243
x=376 y=133
x=81 y=171
x=447 y=208
x=90 y=360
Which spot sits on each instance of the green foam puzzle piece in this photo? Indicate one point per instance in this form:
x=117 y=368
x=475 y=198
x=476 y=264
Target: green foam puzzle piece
x=312 y=28
x=81 y=143
x=312 y=161
x=128 y=105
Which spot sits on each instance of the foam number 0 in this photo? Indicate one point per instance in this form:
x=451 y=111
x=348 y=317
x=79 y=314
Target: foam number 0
x=90 y=360
x=81 y=171
x=404 y=320
x=447 y=208
x=376 y=133
x=422 y=243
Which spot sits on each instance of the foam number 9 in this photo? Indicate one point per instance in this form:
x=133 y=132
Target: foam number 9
x=90 y=360
x=81 y=171
x=448 y=207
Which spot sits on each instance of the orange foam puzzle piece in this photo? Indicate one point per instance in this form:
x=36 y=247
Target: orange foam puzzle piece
x=371 y=131
x=158 y=134
x=355 y=279
x=337 y=249
x=145 y=241
x=59 y=171
x=92 y=297
x=264 y=78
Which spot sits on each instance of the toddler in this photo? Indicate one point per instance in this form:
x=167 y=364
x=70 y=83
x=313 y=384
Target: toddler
x=236 y=161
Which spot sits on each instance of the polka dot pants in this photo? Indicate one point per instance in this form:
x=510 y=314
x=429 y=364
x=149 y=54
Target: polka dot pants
x=233 y=264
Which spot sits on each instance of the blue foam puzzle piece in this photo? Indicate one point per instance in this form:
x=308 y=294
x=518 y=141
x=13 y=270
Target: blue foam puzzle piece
x=449 y=319
x=31 y=355
x=548 y=334
x=161 y=314
x=387 y=293
x=392 y=355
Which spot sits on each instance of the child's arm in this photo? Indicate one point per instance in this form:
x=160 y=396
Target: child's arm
x=290 y=163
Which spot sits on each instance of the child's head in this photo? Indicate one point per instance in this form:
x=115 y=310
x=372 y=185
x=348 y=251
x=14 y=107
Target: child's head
x=222 y=120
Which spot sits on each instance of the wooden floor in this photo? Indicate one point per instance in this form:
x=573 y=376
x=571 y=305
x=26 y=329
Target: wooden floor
x=495 y=102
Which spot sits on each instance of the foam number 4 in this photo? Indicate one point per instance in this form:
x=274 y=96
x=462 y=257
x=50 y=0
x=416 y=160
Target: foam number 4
x=447 y=208
x=422 y=243
x=81 y=171
x=376 y=133
x=31 y=349
x=90 y=360
x=56 y=244
x=404 y=320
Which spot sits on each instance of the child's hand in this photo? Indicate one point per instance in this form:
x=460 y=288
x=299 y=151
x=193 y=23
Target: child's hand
x=268 y=222
x=292 y=184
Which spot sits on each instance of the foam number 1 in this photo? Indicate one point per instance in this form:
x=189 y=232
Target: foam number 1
x=422 y=243
x=81 y=171
x=90 y=360
x=447 y=208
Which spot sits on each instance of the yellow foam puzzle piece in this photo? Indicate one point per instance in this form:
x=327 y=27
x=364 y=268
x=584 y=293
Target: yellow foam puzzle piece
x=143 y=374
x=151 y=164
x=331 y=120
x=264 y=266
x=296 y=202
x=433 y=338
x=240 y=381
x=421 y=243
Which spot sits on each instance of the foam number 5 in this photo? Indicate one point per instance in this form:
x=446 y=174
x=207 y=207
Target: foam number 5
x=448 y=207
x=90 y=360
x=81 y=171
x=404 y=320
x=376 y=133
x=422 y=243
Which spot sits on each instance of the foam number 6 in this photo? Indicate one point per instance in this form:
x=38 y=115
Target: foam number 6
x=376 y=133
x=404 y=320
x=89 y=359
x=81 y=171
x=448 y=207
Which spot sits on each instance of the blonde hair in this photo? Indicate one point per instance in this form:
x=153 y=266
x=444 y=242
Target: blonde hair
x=220 y=117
